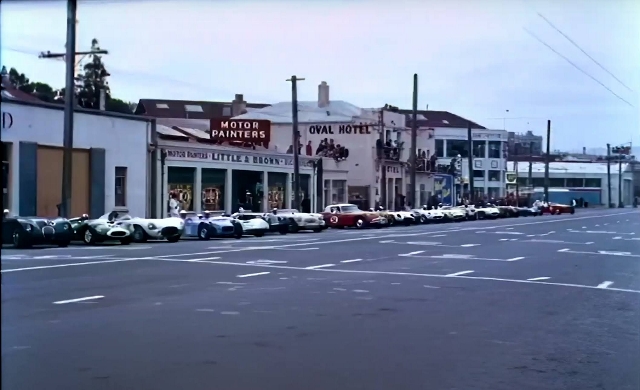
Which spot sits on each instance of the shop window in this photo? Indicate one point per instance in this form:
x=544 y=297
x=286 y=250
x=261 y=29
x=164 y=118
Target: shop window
x=494 y=175
x=493 y=192
x=480 y=149
x=212 y=197
x=457 y=147
x=592 y=183
x=538 y=182
x=494 y=149
x=339 y=191
x=575 y=182
x=277 y=194
x=121 y=187
x=439 y=148
x=556 y=182
x=327 y=193
x=477 y=174
x=180 y=183
x=523 y=181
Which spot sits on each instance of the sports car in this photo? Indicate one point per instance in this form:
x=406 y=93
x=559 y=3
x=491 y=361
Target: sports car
x=557 y=209
x=24 y=232
x=508 y=211
x=453 y=213
x=301 y=221
x=470 y=212
x=92 y=231
x=487 y=212
x=344 y=215
x=397 y=217
x=430 y=216
x=529 y=211
x=205 y=226
x=151 y=229
x=252 y=223
x=278 y=224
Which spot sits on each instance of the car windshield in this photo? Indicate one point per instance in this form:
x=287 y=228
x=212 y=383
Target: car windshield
x=247 y=217
x=349 y=209
x=114 y=215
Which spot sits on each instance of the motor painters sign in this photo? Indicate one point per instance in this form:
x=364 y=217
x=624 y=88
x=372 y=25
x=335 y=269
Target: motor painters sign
x=443 y=188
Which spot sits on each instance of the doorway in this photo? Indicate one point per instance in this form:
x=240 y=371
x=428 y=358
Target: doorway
x=247 y=190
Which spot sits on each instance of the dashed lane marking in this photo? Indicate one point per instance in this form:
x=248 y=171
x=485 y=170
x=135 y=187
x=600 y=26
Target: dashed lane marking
x=539 y=278
x=320 y=266
x=93 y=298
x=459 y=273
x=255 y=274
x=605 y=284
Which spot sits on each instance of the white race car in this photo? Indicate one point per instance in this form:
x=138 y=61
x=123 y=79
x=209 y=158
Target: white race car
x=301 y=221
x=487 y=212
x=453 y=213
x=470 y=211
x=433 y=215
x=150 y=229
x=253 y=224
x=399 y=217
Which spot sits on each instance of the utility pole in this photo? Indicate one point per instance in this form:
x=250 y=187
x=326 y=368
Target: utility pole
x=470 y=165
x=530 y=177
x=546 y=163
x=610 y=203
x=620 y=204
x=515 y=166
x=381 y=161
x=295 y=135
x=414 y=138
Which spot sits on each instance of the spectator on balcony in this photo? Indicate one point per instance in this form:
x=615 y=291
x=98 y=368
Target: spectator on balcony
x=433 y=162
x=322 y=147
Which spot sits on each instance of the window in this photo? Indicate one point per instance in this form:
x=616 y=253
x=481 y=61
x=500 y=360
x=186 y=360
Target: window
x=494 y=175
x=193 y=108
x=457 y=147
x=339 y=191
x=162 y=105
x=556 y=182
x=480 y=149
x=523 y=181
x=477 y=174
x=121 y=187
x=327 y=194
x=439 y=148
x=592 y=183
x=538 y=182
x=387 y=135
x=575 y=182
x=494 y=149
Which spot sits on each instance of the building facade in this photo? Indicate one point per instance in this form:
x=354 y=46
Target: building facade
x=111 y=160
x=577 y=180
x=524 y=144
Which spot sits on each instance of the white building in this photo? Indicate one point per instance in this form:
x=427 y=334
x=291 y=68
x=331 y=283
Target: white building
x=110 y=160
x=583 y=180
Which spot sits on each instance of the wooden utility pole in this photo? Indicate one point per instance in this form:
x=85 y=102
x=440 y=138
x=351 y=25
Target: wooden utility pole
x=547 y=160
x=609 y=176
x=470 y=165
x=414 y=137
x=295 y=139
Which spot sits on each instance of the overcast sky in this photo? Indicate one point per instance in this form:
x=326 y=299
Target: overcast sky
x=474 y=57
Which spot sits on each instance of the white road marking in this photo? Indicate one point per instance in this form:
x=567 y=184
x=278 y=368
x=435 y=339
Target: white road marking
x=627 y=239
x=509 y=228
x=459 y=273
x=350 y=271
x=540 y=278
x=596 y=232
x=93 y=298
x=469 y=245
x=411 y=253
x=229 y=313
x=206 y=310
x=65 y=265
x=614 y=253
x=429 y=286
x=307 y=239
x=516 y=258
x=461 y=257
x=256 y=274
x=604 y=253
x=295 y=249
x=320 y=266
x=439 y=235
x=560 y=242
x=351 y=261
x=430 y=243
x=564 y=250
x=267 y=262
x=605 y=284
x=360 y=291
x=233 y=283
x=386 y=241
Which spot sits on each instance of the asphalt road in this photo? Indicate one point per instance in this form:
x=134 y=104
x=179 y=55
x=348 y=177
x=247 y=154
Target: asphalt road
x=548 y=302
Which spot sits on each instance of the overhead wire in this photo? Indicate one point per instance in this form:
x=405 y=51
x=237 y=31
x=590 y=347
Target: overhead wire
x=583 y=51
x=576 y=66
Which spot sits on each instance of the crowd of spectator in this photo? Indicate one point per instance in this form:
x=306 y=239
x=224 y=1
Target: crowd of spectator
x=326 y=148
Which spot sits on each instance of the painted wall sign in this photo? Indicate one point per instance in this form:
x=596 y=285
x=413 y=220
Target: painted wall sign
x=241 y=130
x=339 y=129
x=444 y=188
x=234 y=158
x=7 y=120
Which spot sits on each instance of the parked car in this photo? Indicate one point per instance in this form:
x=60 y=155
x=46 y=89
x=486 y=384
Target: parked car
x=557 y=208
x=349 y=215
x=102 y=229
x=469 y=211
x=454 y=214
x=397 y=217
x=144 y=229
x=279 y=224
x=508 y=211
x=487 y=212
x=430 y=216
x=529 y=211
x=302 y=221
x=205 y=226
x=24 y=232
x=252 y=223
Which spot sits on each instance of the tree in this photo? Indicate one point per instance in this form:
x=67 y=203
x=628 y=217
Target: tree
x=93 y=80
x=40 y=90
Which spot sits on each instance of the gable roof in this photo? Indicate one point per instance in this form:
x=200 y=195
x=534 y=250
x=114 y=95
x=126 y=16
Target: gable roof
x=428 y=118
x=336 y=111
x=11 y=92
x=191 y=109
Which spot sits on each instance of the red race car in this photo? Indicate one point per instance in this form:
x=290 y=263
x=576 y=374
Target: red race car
x=344 y=215
x=557 y=208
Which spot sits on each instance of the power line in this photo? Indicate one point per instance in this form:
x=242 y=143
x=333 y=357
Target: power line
x=583 y=52
x=576 y=66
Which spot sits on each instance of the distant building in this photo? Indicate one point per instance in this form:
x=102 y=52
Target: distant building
x=524 y=144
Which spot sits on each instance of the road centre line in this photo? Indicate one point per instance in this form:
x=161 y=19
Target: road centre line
x=348 y=271
x=320 y=266
x=351 y=261
x=540 y=278
x=313 y=243
x=459 y=273
x=603 y=253
x=93 y=298
x=255 y=274
x=605 y=284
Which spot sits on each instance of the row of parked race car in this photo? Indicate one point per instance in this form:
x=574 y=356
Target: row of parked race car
x=24 y=232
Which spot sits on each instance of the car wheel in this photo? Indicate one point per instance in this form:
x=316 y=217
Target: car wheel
x=293 y=226
x=138 y=234
x=317 y=230
x=284 y=229
x=423 y=219
x=88 y=237
x=64 y=244
x=359 y=223
x=391 y=221
x=173 y=238
x=573 y=211
x=20 y=240
x=203 y=233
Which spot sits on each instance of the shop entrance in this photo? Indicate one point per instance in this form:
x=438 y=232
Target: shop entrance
x=247 y=190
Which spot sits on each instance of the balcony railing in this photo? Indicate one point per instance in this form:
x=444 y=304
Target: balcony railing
x=392 y=153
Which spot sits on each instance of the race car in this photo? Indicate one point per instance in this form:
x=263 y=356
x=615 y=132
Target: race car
x=24 y=232
x=344 y=215
x=470 y=212
x=252 y=223
x=92 y=231
x=301 y=221
x=206 y=226
x=557 y=209
x=453 y=213
x=151 y=228
x=487 y=212
x=430 y=216
x=279 y=224
x=397 y=217
x=508 y=211
x=529 y=211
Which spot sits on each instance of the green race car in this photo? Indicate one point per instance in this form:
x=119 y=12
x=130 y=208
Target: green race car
x=92 y=231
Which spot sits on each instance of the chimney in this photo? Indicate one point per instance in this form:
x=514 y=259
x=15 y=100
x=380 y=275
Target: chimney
x=584 y=150
x=323 y=94
x=238 y=105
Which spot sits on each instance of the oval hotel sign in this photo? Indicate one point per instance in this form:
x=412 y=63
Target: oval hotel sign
x=241 y=130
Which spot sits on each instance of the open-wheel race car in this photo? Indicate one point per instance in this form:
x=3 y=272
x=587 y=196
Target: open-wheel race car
x=557 y=209
x=508 y=211
x=487 y=211
x=210 y=225
x=92 y=231
x=144 y=229
x=24 y=232
x=344 y=215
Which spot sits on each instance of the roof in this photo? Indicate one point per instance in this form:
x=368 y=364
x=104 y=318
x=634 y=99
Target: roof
x=13 y=93
x=567 y=167
x=336 y=111
x=427 y=118
x=191 y=109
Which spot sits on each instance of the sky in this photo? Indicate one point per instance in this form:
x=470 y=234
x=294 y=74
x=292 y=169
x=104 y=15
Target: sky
x=474 y=58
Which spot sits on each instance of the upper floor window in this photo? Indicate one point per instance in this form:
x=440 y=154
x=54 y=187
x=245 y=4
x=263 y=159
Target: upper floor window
x=121 y=187
x=457 y=147
x=494 y=149
x=439 y=148
x=480 y=149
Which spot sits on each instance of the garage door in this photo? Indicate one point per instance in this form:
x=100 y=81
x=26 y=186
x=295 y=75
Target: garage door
x=50 y=181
